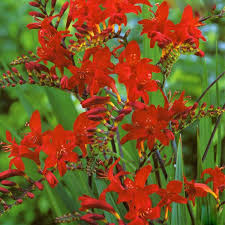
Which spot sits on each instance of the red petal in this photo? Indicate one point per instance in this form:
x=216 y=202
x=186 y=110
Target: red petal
x=61 y=167
x=174 y=186
x=18 y=163
x=35 y=122
x=142 y=176
x=8 y=136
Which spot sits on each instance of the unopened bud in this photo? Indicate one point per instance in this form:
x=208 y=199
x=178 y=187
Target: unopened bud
x=211 y=107
x=30 y=195
x=194 y=106
x=55 y=77
x=200 y=53
x=31 y=81
x=95 y=117
x=39 y=185
x=53 y=3
x=64 y=82
x=203 y=106
x=91 y=129
x=4 y=190
x=36 y=14
x=82 y=30
x=126 y=111
x=127 y=33
x=95 y=111
x=11 y=173
x=184 y=116
x=95 y=100
x=92 y=217
x=6 y=207
x=202 y=113
x=29 y=67
x=64 y=8
x=192 y=114
x=19 y=201
x=14 y=70
x=120 y=117
x=114 y=129
x=43 y=76
x=8 y=183
x=34 y=4
x=31 y=26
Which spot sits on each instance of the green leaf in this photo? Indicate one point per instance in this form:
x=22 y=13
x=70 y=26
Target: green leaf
x=178 y=215
x=62 y=107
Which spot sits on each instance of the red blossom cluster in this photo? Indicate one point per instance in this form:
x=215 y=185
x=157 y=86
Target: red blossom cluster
x=57 y=144
x=139 y=196
x=83 y=64
x=165 y=32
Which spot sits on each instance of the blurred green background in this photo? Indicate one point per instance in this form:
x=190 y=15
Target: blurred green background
x=17 y=104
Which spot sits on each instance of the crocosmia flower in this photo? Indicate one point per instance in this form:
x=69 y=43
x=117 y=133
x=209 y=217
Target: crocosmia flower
x=59 y=145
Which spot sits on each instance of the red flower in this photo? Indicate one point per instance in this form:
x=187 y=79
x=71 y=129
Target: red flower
x=170 y=194
x=19 y=151
x=50 y=177
x=58 y=145
x=196 y=190
x=187 y=30
x=80 y=127
x=149 y=124
x=136 y=194
x=93 y=75
x=217 y=177
x=52 y=50
x=115 y=183
x=178 y=107
x=117 y=9
x=136 y=73
x=81 y=77
x=34 y=138
x=159 y=28
x=88 y=12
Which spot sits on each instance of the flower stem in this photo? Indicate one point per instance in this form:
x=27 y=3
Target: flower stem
x=207 y=89
x=211 y=137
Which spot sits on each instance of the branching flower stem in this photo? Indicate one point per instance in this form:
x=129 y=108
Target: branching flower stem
x=211 y=137
x=207 y=89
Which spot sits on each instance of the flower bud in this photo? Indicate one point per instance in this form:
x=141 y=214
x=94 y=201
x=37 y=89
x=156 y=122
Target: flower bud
x=53 y=3
x=63 y=9
x=64 y=82
x=95 y=100
x=31 y=26
x=8 y=183
x=14 y=70
x=120 y=117
x=39 y=185
x=19 y=201
x=92 y=217
x=95 y=117
x=4 y=190
x=36 y=14
x=34 y=4
x=194 y=106
x=200 y=53
x=126 y=110
x=50 y=177
x=95 y=111
x=203 y=106
x=11 y=173
x=30 y=195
